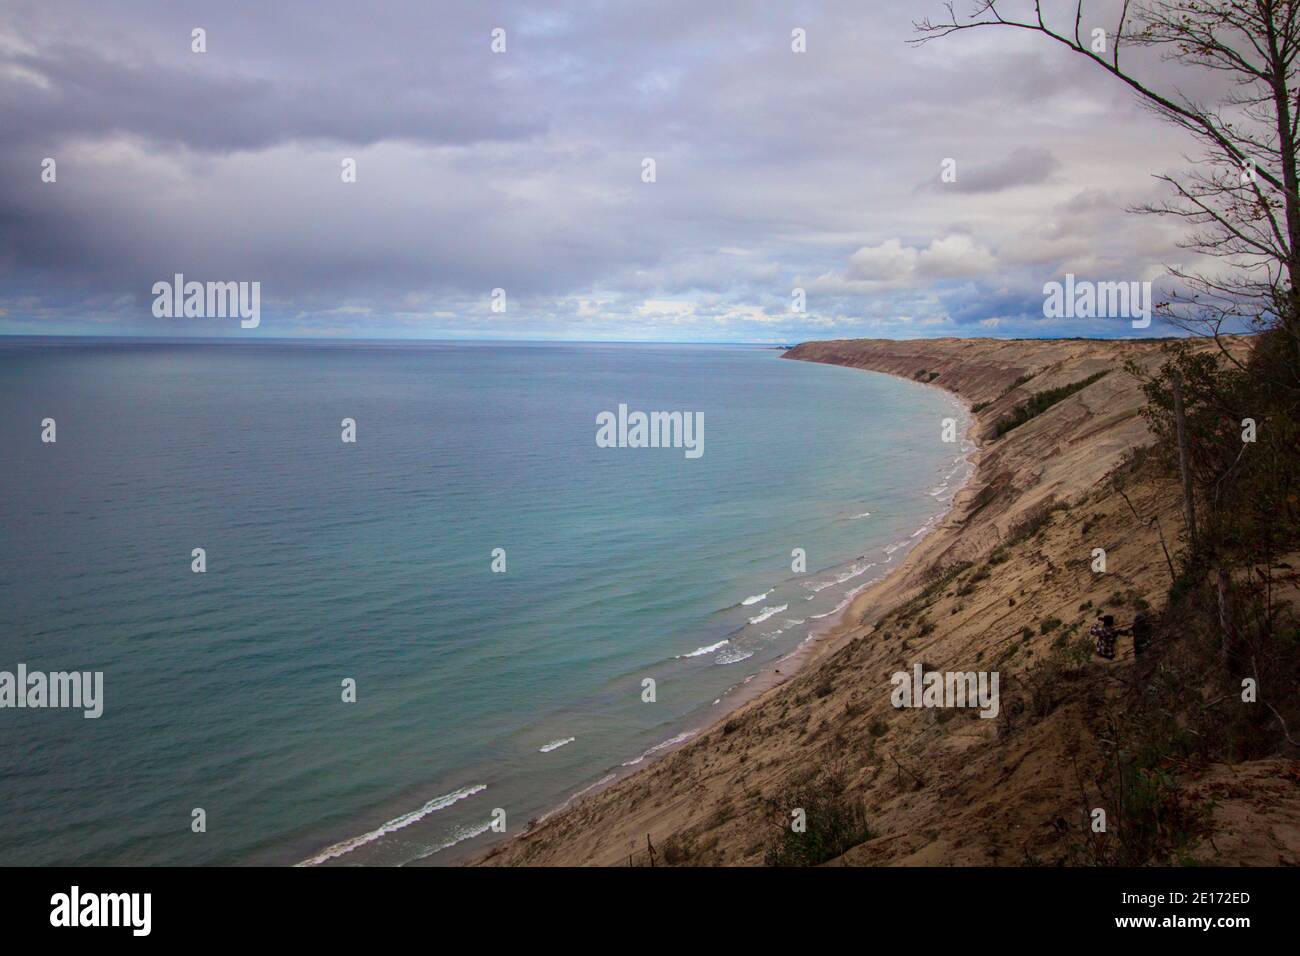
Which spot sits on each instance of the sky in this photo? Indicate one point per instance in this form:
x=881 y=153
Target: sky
x=524 y=170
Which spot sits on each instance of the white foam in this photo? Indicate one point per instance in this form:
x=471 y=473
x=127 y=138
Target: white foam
x=733 y=656
x=397 y=823
x=848 y=599
x=701 y=651
x=603 y=780
x=461 y=835
x=755 y=598
x=555 y=745
x=839 y=607
x=861 y=587
x=767 y=612
x=856 y=570
x=853 y=571
x=660 y=746
x=591 y=786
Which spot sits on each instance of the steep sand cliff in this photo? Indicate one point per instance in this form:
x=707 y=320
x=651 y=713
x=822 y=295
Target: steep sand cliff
x=1005 y=583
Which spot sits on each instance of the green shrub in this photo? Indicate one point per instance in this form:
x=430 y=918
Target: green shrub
x=1017 y=383
x=1040 y=402
x=836 y=822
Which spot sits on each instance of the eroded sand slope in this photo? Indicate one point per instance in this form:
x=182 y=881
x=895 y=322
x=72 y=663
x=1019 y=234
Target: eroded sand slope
x=941 y=786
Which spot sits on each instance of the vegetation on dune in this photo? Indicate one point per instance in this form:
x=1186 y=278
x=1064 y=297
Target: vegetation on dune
x=980 y=406
x=835 y=822
x=1022 y=380
x=1218 y=682
x=1040 y=402
x=1242 y=520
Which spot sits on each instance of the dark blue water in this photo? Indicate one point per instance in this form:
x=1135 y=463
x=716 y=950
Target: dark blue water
x=372 y=561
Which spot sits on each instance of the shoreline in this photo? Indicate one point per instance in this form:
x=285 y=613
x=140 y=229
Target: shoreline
x=954 y=468
x=711 y=802
x=818 y=644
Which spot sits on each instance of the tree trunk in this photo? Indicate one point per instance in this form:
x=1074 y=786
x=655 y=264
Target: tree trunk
x=1278 y=65
x=1184 y=459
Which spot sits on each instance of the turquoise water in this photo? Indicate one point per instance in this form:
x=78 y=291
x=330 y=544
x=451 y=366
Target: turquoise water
x=372 y=561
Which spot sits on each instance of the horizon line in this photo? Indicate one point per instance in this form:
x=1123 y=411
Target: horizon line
x=784 y=344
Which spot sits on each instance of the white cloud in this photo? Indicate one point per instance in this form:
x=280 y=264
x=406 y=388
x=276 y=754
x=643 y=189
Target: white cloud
x=892 y=264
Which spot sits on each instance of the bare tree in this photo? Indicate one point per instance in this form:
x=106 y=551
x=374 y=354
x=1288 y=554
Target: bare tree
x=1241 y=203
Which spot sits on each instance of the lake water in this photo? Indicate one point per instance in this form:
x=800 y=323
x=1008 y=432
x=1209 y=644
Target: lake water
x=372 y=561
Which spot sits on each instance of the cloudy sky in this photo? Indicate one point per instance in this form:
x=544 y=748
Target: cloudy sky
x=522 y=170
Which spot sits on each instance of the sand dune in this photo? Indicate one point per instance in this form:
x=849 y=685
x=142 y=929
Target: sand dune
x=944 y=786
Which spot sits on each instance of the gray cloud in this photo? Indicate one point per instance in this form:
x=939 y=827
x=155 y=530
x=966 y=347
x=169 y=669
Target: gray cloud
x=523 y=170
x=1025 y=166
